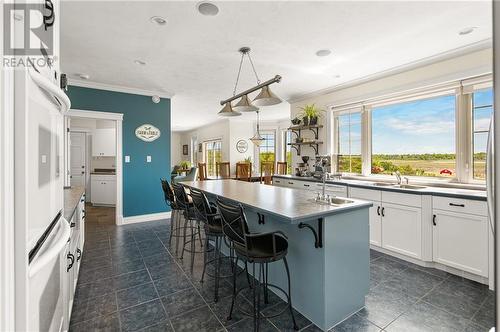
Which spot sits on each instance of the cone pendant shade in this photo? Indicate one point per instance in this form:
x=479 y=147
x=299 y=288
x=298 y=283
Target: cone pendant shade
x=266 y=98
x=257 y=139
x=227 y=110
x=244 y=105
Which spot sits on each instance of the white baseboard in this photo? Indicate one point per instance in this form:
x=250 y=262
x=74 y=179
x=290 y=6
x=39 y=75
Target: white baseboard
x=145 y=217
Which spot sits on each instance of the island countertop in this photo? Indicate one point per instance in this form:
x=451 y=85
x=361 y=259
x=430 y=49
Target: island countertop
x=286 y=203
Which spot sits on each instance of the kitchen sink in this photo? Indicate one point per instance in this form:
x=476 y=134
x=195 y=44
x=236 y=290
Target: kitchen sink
x=408 y=186
x=382 y=184
x=333 y=201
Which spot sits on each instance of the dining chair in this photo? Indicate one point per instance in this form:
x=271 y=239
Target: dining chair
x=266 y=172
x=202 y=173
x=281 y=167
x=223 y=169
x=243 y=171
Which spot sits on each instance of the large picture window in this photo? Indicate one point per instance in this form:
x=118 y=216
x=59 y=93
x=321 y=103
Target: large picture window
x=416 y=138
x=213 y=155
x=482 y=109
x=348 y=142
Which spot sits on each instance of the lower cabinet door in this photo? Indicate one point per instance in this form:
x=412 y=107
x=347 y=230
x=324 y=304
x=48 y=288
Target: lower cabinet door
x=461 y=241
x=375 y=219
x=402 y=229
x=375 y=225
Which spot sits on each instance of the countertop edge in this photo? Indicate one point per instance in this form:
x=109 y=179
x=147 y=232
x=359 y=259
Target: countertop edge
x=72 y=197
x=426 y=191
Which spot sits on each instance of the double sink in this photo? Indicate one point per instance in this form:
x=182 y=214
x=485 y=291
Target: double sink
x=400 y=186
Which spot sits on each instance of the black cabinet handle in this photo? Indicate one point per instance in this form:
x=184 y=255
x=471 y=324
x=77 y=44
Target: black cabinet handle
x=78 y=254
x=72 y=224
x=434 y=220
x=378 y=210
x=306 y=185
x=290 y=182
x=459 y=205
x=383 y=212
x=72 y=258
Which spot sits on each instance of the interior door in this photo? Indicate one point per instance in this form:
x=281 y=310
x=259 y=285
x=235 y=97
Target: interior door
x=78 y=160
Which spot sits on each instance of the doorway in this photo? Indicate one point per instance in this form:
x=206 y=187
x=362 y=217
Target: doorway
x=78 y=156
x=94 y=160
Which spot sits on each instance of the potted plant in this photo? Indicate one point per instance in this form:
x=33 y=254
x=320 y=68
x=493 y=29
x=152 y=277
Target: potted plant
x=185 y=164
x=296 y=121
x=310 y=114
x=247 y=160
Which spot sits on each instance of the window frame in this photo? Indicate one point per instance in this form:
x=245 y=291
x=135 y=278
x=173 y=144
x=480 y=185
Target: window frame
x=462 y=90
x=257 y=148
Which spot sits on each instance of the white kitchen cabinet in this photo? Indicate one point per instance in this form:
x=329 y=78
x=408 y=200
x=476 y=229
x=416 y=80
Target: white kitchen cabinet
x=402 y=229
x=460 y=240
x=103 y=189
x=375 y=216
x=104 y=142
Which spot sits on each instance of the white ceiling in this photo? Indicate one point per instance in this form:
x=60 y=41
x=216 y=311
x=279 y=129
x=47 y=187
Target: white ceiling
x=195 y=57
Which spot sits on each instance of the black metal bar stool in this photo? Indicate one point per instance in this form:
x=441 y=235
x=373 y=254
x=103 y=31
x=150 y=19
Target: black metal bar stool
x=257 y=249
x=191 y=223
x=175 y=220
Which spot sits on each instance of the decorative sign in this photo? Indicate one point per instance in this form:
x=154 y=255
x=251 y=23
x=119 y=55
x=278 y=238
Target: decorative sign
x=147 y=132
x=242 y=146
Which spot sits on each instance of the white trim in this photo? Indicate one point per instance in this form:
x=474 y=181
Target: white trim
x=146 y=217
x=478 y=46
x=7 y=249
x=118 y=88
x=95 y=115
x=118 y=118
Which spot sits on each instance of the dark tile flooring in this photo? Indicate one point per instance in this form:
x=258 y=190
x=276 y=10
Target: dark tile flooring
x=131 y=280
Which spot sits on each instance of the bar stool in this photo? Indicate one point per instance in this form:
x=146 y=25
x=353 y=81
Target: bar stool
x=255 y=248
x=175 y=220
x=190 y=222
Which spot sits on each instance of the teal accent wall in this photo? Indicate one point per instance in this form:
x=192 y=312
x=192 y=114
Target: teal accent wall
x=142 y=193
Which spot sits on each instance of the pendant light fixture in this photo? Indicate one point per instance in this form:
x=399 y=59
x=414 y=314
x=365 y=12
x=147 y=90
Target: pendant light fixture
x=264 y=98
x=257 y=139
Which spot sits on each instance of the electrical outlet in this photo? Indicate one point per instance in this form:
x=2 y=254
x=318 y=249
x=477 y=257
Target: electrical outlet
x=148 y=159
x=127 y=159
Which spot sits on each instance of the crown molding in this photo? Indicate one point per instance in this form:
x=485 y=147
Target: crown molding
x=471 y=48
x=118 y=88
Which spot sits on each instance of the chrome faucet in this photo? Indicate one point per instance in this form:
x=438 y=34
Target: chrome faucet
x=398 y=176
x=407 y=180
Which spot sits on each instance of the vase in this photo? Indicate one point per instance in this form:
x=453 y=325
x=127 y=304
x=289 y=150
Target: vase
x=313 y=121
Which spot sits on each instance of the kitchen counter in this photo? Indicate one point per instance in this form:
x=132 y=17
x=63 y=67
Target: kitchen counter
x=428 y=190
x=328 y=246
x=72 y=196
x=286 y=203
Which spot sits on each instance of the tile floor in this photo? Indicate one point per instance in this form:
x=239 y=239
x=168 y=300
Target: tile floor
x=130 y=280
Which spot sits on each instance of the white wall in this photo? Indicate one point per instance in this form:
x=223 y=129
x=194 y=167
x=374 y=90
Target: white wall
x=460 y=67
x=175 y=148
x=240 y=130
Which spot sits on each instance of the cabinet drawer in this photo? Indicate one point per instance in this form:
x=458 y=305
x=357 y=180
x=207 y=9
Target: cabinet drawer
x=460 y=205
x=367 y=194
x=401 y=198
x=99 y=177
x=334 y=189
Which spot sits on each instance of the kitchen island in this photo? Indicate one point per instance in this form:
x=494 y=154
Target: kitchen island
x=328 y=245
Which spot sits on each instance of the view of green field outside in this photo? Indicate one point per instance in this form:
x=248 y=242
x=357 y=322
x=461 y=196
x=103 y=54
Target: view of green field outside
x=416 y=138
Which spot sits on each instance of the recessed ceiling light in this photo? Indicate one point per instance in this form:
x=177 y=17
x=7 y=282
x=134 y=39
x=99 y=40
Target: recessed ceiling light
x=207 y=8
x=83 y=76
x=139 y=62
x=158 y=20
x=466 y=31
x=324 y=52
x=336 y=76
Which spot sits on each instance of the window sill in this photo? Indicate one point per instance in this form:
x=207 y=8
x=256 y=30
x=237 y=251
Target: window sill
x=425 y=181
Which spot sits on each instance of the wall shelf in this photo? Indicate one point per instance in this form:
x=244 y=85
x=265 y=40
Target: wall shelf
x=297 y=146
x=297 y=130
